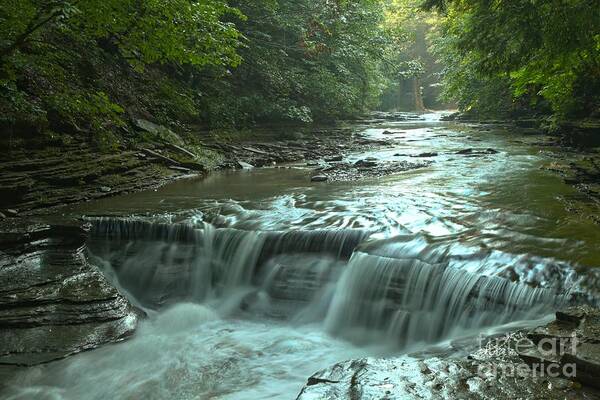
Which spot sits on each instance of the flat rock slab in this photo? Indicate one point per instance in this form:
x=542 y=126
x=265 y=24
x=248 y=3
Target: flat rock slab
x=408 y=378
x=33 y=181
x=490 y=372
x=347 y=172
x=574 y=338
x=53 y=303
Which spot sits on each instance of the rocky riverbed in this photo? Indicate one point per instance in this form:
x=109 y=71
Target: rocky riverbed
x=35 y=180
x=426 y=197
x=560 y=360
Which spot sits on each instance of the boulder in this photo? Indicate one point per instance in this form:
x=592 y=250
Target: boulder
x=319 y=178
x=335 y=159
x=574 y=339
x=365 y=164
x=159 y=131
x=53 y=302
x=245 y=165
x=477 y=152
x=465 y=151
x=426 y=155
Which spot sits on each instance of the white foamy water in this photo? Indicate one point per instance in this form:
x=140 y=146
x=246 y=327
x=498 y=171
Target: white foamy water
x=290 y=270
x=188 y=352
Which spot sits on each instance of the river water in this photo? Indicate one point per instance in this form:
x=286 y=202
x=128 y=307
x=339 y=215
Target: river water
x=254 y=280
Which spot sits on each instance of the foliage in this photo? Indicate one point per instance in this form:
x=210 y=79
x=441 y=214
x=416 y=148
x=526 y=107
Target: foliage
x=87 y=68
x=90 y=66
x=413 y=72
x=302 y=61
x=545 y=53
x=75 y=65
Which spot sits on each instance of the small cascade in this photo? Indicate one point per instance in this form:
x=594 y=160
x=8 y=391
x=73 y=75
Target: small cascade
x=404 y=290
x=130 y=229
x=296 y=285
x=162 y=264
x=418 y=301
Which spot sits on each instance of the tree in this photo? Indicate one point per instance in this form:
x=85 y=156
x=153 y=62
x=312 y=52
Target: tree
x=545 y=52
x=412 y=65
x=52 y=55
x=303 y=61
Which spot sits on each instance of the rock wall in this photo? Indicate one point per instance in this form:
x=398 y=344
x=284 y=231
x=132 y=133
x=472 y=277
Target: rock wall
x=53 y=303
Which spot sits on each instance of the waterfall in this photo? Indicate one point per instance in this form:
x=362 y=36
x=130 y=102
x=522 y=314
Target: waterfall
x=416 y=301
x=404 y=290
x=161 y=264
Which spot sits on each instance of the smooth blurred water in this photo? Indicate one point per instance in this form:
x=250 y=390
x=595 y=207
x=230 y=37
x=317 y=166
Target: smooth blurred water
x=502 y=201
x=254 y=289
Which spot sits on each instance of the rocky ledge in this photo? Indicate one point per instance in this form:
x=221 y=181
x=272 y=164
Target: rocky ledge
x=35 y=180
x=361 y=169
x=53 y=303
x=558 y=361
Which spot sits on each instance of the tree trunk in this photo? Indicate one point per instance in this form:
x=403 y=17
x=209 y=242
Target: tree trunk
x=419 y=106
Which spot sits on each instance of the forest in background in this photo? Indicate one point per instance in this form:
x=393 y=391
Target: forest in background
x=88 y=68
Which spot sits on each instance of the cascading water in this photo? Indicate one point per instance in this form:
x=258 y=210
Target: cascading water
x=410 y=295
x=164 y=264
x=415 y=301
x=298 y=276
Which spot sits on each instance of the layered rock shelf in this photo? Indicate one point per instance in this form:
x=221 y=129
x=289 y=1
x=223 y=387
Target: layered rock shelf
x=498 y=368
x=53 y=303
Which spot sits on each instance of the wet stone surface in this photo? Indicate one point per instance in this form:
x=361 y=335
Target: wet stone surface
x=500 y=369
x=53 y=303
x=362 y=169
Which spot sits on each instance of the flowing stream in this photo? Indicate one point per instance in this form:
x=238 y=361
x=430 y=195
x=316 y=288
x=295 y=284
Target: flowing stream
x=254 y=280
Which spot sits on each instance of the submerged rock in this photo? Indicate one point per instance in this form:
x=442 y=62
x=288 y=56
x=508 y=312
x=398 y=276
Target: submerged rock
x=245 y=165
x=477 y=152
x=501 y=369
x=465 y=151
x=573 y=339
x=53 y=303
x=427 y=155
x=319 y=178
x=365 y=163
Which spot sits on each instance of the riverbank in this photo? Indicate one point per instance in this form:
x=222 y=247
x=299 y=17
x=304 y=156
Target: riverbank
x=560 y=360
x=34 y=180
x=282 y=258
